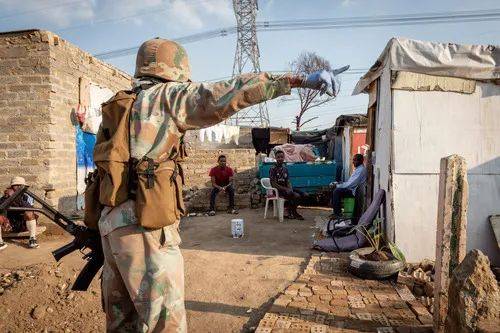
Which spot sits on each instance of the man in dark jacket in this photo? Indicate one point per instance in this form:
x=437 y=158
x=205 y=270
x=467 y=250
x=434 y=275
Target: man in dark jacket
x=278 y=175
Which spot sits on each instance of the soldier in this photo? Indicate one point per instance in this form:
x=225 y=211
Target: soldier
x=143 y=275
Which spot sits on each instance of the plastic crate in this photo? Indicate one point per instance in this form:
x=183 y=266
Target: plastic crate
x=348 y=207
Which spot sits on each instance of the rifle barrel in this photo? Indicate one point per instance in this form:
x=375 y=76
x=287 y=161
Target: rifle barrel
x=88 y=272
x=49 y=208
x=64 y=250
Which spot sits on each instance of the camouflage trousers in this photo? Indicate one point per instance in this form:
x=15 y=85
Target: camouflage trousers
x=142 y=281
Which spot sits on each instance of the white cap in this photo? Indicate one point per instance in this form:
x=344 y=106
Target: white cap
x=17 y=181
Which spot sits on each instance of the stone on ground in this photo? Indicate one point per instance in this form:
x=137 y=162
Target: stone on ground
x=474 y=297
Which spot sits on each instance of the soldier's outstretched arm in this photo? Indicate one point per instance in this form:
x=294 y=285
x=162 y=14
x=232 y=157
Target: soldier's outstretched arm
x=197 y=105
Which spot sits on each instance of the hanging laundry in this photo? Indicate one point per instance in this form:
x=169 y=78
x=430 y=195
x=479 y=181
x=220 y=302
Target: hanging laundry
x=85 y=143
x=208 y=133
x=260 y=140
x=227 y=135
x=220 y=132
x=231 y=133
x=202 y=134
x=89 y=112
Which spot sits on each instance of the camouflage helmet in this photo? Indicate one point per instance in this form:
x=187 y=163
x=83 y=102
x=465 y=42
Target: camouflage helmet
x=163 y=59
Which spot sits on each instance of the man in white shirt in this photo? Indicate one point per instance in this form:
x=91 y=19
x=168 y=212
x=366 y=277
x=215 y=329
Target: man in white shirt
x=348 y=188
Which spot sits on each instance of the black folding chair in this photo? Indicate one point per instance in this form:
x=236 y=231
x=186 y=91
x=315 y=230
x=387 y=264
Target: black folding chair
x=349 y=238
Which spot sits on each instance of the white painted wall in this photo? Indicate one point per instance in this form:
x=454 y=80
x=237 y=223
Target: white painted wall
x=426 y=127
x=484 y=200
x=415 y=213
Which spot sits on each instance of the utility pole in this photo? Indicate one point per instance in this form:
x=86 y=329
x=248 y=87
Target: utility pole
x=247 y=55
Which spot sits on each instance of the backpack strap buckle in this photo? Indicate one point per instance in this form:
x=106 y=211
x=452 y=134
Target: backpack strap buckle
x=150 y=172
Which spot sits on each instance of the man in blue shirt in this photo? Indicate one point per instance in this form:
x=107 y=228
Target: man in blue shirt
x=348 y=188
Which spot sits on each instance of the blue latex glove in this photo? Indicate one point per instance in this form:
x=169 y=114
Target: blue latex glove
x=324 y=81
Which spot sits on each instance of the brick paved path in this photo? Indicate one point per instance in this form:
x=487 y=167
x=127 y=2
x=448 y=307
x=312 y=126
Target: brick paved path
x=326 y=298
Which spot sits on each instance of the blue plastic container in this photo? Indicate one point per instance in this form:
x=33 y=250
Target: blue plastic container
x=309 y=177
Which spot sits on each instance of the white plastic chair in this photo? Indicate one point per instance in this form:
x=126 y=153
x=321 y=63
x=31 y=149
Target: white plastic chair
x=272 y=195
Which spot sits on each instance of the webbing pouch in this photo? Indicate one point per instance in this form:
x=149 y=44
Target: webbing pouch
x=93 y=207
x=158 y=196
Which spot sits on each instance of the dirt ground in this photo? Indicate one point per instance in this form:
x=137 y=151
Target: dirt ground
x=230 y=283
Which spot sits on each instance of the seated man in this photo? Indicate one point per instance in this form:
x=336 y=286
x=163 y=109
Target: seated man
x=278 y=175
x=348 y=188
x=222 y=178
x=18 y=221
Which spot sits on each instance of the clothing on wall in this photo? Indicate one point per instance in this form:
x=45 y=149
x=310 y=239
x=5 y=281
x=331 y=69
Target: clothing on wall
x=89 y=111
x=89 y=116
x=85 y=143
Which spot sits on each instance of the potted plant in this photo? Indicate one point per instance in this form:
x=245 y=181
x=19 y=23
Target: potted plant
x=382 y=260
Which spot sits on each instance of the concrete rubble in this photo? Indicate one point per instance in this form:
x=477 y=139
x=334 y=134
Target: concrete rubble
x=419 y=278
x=474 y=297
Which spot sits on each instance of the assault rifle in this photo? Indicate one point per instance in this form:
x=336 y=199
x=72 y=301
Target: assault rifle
x=85 y=238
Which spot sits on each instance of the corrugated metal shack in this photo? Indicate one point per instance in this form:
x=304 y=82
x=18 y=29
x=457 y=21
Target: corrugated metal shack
x=427 y=101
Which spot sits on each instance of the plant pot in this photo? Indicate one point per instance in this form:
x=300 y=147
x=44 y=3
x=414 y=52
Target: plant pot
x=373 y=270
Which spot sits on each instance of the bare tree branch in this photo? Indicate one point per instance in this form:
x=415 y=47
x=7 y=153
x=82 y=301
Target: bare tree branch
x=306 y=63
x=305 y=122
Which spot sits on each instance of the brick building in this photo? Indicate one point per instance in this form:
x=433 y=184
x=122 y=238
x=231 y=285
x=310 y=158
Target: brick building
x=40 y=76
x=39 y=94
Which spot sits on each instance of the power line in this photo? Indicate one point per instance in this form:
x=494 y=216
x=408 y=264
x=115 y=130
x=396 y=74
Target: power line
x=157 y=10
x=397 y=18
x=333 y=111
x=335 y=23
x=183 y=40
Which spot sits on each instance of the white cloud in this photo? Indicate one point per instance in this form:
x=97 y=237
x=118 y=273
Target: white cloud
x=129 y=7
x=346 y=3
x=196 y=14
x=180 y=15
x=56 y=13
x=185 y=14
x=221 y=8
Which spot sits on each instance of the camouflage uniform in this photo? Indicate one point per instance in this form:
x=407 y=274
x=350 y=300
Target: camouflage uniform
x=143 y=277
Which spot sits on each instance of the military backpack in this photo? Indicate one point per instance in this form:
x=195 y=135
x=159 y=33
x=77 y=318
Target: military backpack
x=155 y=185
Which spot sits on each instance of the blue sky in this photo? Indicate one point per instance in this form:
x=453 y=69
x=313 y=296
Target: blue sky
x=101 y=25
